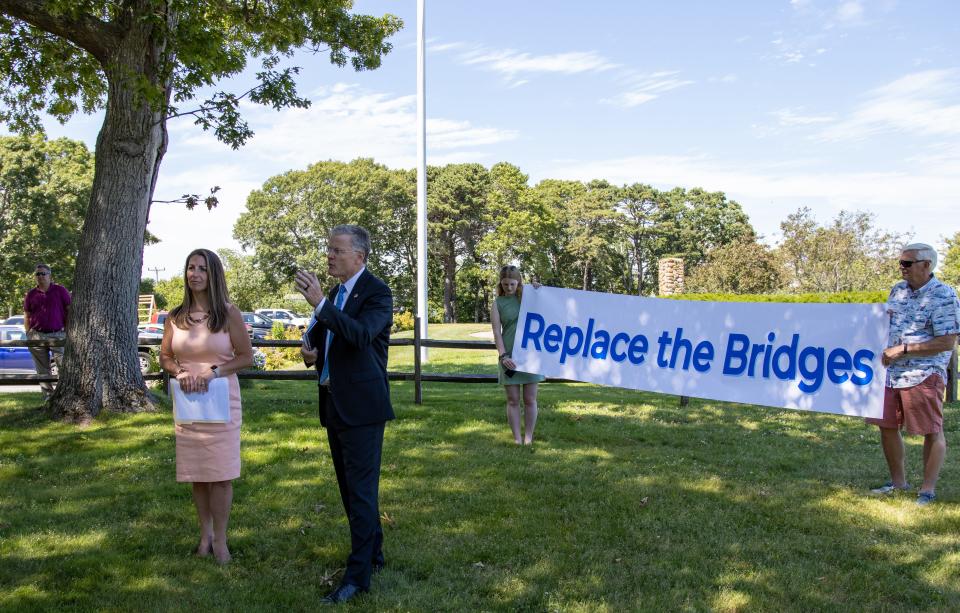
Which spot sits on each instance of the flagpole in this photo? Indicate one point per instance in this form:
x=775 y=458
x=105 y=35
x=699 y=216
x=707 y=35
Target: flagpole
x=422 y=310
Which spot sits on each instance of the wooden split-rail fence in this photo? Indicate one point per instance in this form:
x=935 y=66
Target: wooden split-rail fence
x=417 y=376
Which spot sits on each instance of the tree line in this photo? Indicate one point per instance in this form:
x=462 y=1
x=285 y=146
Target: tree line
x=589 y=235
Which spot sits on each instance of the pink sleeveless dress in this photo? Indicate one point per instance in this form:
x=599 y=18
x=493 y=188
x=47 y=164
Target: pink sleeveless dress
x=207 y=452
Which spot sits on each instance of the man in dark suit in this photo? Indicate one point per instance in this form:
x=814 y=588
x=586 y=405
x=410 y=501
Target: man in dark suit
x=348 y=342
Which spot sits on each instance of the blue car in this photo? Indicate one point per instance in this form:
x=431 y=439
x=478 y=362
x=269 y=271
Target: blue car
x=14 y=359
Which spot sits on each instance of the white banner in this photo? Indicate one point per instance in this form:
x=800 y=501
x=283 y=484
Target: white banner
x=812 y=357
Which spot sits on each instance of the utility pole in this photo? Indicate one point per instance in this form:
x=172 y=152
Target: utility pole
x=157 y=271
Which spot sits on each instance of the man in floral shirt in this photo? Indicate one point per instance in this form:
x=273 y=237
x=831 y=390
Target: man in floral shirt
x=924 y=322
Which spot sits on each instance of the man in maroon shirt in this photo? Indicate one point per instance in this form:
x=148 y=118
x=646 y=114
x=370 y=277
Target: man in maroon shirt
x=45 y=311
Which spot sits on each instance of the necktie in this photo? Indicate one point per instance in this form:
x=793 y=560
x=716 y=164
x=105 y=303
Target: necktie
x=325 y=373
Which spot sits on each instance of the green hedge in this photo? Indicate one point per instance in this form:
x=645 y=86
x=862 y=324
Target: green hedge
x=839 y=297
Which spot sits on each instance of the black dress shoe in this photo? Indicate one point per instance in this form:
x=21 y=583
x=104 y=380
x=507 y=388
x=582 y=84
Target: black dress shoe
x=345 y=592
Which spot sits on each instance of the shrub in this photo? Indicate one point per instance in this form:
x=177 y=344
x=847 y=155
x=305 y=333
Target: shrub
x=402 y=321
x=276 y=360
x=279 y=358
x=865 y=297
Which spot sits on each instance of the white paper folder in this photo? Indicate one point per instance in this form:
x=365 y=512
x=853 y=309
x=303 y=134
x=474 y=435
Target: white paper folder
x=212 y=406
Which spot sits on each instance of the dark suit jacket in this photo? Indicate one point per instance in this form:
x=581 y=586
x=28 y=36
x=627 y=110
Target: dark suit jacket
x=359 y=387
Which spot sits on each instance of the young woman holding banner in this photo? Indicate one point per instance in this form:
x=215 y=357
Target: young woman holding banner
x=503 y=317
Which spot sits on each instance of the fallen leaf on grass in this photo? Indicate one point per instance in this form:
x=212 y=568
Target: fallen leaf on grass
x=385 y=518
x=478 y=565
x=319 y=507
x=643 y=501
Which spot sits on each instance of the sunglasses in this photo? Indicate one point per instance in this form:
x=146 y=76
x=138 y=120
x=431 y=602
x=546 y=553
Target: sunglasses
x=40 y=274
x=909 y=263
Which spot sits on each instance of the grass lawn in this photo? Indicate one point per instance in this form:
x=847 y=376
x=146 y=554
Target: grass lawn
x=626 y=502
x=449 y=360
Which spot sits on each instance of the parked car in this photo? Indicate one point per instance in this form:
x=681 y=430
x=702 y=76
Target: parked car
x=158 y=317
x=150 y=331
x=16 y=320
x=258 y=326
x=287 y=318
x=146 y=352
x=14 y=359
x=18 y=359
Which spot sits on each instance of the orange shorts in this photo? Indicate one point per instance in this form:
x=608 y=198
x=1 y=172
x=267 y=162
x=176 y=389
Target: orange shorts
x=917 y=409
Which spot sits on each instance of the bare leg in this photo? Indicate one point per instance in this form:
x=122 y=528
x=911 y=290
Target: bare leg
x=513 y=411
x=529 y=411
x=201 y=499
x=934 y=452
x=892 y=443
x=221 y=499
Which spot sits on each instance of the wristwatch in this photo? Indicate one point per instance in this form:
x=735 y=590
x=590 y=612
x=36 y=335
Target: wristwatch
x=216 y=373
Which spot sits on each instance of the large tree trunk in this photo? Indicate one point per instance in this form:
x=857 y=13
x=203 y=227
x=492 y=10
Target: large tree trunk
x=101 y=369
x=638 y=260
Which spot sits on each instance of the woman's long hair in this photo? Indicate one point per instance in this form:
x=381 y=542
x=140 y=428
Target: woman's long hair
x=216 y=291
x=511 y=272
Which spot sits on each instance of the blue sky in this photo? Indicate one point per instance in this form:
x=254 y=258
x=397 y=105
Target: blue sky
x=830 y=104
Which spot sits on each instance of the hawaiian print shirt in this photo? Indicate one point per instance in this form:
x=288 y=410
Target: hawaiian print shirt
x=916 y=316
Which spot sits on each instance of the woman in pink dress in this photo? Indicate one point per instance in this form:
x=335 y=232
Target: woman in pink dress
x=205 y=338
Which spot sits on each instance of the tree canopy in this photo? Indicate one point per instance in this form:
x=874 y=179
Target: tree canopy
x=44 y=191
x=950 y=269
x=848 y=254
x=591 y=235
x=56 y=57
x=740 y=267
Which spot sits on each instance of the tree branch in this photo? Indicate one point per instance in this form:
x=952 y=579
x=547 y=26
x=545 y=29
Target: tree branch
x=93 y=35
x=204 y=108
x=192 y=200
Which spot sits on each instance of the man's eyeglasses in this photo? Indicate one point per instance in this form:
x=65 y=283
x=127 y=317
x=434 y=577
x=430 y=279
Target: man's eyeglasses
x=40 y=274
x=337 y=251
x=909 y=263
